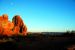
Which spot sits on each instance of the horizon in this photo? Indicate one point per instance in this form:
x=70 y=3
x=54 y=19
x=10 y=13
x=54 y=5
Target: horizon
x=42 y=15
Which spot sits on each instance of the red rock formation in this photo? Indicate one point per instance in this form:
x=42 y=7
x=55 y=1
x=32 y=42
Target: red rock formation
x=1 y=29
x=24 y=30
x=12 y=28
x=16 y=30
x=6 y=26
x=18 y=22
x=5 y=17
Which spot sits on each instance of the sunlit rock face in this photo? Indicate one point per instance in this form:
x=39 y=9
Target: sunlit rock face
x=12 y=28
x=6 y=26
x=19 y=26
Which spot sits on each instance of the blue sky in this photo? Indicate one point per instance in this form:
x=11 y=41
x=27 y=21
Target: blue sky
x=42 y=15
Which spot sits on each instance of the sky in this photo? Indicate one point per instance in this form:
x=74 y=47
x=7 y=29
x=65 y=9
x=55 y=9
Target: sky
x=42 y=15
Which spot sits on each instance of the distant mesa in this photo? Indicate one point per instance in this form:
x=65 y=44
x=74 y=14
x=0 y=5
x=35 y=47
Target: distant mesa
x=15 y=27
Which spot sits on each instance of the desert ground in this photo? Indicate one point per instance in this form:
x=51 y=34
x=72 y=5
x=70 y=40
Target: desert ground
x=39 y=41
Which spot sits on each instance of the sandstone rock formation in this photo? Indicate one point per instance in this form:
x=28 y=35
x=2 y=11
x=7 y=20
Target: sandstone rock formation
x=12 y=28
x=5 y=25
x=19 y=26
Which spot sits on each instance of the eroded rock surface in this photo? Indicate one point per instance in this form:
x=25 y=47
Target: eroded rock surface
x=12 y=28
x=19 y=25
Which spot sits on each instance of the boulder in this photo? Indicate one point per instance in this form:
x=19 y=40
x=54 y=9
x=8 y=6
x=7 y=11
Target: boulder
x=19 y=25
x=6 y=25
